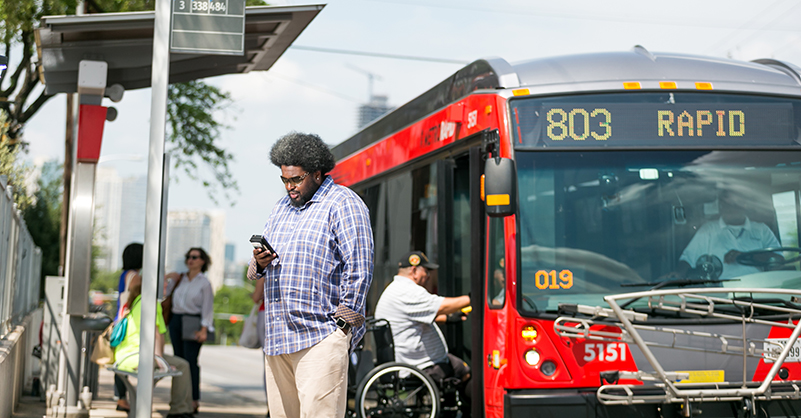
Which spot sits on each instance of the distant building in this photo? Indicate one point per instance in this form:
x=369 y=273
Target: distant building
x=196 y=228
x=132 y=211
x=373 y=110
x=234 y=271
x=230 y=251
x=117 y=199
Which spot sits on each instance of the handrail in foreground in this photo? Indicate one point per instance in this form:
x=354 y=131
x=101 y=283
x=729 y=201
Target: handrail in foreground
x=20 y=264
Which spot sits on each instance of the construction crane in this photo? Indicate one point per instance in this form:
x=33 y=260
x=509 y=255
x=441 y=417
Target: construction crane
x=370 y=78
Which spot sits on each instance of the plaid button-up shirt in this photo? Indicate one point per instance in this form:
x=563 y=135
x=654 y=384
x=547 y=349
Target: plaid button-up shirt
x=323 y=270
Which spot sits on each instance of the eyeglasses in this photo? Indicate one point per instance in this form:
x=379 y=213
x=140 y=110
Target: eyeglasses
x=192 y=257
x=294 y=181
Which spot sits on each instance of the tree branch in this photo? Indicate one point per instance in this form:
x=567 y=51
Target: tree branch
x=34 y=107
x=29 y=83
x=96 y=6
x=8 y=56
x=15 y=77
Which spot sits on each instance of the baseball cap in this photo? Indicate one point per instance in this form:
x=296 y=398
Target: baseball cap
x=416 y=258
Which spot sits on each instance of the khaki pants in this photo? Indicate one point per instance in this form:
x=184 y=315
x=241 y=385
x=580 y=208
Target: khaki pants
x=181 y=393
x=310 y=383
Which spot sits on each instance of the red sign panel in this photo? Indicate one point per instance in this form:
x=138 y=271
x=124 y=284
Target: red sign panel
x=91 y=120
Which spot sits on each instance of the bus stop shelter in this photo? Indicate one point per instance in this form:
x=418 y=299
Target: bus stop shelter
x=125 y=42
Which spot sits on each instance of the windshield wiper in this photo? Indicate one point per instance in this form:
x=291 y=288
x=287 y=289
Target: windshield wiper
x=666 y=283
x=676 y=282
x=765 y=301
x=530 y=303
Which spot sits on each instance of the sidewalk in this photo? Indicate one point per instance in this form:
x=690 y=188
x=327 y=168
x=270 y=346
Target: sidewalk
x=216 y=403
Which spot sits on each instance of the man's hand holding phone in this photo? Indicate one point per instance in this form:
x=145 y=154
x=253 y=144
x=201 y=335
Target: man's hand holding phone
x=263 y=252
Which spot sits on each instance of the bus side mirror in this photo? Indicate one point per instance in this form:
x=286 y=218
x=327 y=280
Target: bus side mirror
x=499 y=187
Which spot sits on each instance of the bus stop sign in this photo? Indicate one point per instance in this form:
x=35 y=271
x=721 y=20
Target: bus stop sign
x=214 y=27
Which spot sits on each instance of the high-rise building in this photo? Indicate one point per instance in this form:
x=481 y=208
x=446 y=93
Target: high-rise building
x=132 y=211
x=233 y=270
x=108 y=199
x=373 y=110
x=196 y=228
x=119 y=215
x=230 y=251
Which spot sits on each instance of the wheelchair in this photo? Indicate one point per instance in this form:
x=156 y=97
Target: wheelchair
x=381 y=387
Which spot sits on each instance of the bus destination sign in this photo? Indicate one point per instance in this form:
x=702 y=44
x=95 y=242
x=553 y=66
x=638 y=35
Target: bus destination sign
x=727 y=124
x=212 y=27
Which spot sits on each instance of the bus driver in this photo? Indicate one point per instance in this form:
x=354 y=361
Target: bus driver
x=411 y=311
x=732 y=234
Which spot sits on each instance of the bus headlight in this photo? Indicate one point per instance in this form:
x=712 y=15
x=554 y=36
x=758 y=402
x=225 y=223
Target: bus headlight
x=532 y=357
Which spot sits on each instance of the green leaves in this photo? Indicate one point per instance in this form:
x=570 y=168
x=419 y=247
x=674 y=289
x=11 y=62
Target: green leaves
x=231 y=300
x=15 y=170
x=193 y=133
x=43 y=217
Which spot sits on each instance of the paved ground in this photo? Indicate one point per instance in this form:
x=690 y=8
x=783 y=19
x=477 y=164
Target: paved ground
x=220 y=390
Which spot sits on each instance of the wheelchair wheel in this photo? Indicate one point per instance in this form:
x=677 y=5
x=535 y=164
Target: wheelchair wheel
x=397 y=390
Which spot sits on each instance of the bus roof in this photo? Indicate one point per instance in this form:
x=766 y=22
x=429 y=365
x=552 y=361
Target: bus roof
x=572 y=73
x=638 y=64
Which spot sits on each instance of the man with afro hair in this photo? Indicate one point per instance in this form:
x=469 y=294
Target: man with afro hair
x=315 y=284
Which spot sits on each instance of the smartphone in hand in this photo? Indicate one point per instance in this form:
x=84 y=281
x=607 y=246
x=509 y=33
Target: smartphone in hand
x=259 y=242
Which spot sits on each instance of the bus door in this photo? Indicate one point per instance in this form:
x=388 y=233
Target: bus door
x=460 y=248
x=494 y=313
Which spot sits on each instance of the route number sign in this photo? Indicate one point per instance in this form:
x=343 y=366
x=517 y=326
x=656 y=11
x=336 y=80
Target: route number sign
x=214 y=27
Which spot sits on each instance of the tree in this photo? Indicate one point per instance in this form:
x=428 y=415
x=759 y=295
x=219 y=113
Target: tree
x=43 y=217
x=106 y=281
x=231 y=300
x=12 y=167
x=18 y=24
x=192 y=131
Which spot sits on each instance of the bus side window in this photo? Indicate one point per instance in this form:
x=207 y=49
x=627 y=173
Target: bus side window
x=496 y=268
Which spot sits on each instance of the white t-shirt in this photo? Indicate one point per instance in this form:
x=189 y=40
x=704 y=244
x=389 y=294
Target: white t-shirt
x=717 y=238
x=411 y=310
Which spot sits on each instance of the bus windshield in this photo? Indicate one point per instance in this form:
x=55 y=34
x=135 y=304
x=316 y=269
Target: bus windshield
x=599 y=222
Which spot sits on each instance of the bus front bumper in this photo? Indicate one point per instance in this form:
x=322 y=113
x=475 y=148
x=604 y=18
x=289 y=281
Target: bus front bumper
x=579 y=404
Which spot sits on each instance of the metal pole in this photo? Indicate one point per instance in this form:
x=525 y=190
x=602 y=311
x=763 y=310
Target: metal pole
x=66 y=232
x=165 y=191
x=76 y=299
x=69 y=163
x=68 y=370
x=158 y=110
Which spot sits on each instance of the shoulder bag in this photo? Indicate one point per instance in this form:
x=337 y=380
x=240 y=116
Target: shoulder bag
x=102 y=353
x=121 y=327
x=166 y=304
x=250 y=332
x=118 y=332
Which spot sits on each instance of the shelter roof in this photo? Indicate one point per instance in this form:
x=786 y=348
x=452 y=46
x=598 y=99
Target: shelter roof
x=125 y=42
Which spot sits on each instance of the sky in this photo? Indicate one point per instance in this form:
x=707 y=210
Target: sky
x=320 y=92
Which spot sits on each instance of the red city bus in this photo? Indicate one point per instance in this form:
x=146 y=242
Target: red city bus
x=627 y=224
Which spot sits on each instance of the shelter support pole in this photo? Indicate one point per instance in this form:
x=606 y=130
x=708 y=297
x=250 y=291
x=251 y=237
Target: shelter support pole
x=91 y=121
x=153 y=210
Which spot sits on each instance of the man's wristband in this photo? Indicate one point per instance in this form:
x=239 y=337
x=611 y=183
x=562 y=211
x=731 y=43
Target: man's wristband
x=343 y=325
x=453 y=318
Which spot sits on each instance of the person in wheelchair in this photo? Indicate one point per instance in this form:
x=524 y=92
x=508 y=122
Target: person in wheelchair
x=725 y=239
x=412 y=312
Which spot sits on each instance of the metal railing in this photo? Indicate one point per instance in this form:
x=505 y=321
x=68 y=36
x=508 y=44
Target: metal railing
x=774 y=309
x=20 y=264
